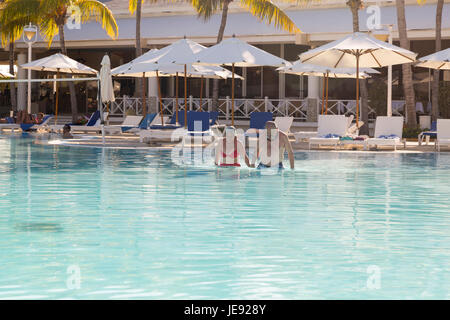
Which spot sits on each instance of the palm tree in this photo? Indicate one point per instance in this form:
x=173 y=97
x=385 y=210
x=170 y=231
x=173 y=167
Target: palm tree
x=262 y=9
x=406 y=68
x=52 y=15
x=136 y=6
x=435 y=87
x=354 y=6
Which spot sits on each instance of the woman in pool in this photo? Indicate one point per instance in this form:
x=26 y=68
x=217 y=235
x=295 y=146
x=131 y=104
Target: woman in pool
x=229 y=149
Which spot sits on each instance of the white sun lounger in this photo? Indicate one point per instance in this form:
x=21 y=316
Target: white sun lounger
x=306 y=135
x=443 y=133
x=388 y=132
x=157 y=134
x=96 y=127
x=330 y=125
x=284 y=124
x=9 y=126
x=129 y=121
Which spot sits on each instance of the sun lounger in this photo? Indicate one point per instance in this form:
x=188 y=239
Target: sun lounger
x=10 y=125
x=128 y=123
x=198 y=127
x=330 y=129
x=34 y=126
x=159 y=132
x=258 y=122
x=213 y=118
x=443 y=133
x=388 y=132
x=428 y=134
x=284 y=124
x=93 y=125
x=306 y=135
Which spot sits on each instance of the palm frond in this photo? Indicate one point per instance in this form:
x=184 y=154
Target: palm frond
x=206 y=8
x=92 y=9
x=266 y=11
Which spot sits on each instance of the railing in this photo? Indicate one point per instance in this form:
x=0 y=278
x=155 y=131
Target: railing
x=346 y=107
x=296 y=108
x=242 y=107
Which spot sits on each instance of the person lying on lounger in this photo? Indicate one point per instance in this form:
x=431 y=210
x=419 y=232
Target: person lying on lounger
x=272 y=145
x=229 y=149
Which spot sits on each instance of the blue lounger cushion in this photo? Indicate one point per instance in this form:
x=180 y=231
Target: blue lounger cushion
x=258 y=119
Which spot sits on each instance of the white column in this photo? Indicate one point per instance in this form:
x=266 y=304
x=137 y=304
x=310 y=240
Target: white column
x=281 y=77
x=21 y=86
x=313 y=87
x=244 y=82
x=152 y=87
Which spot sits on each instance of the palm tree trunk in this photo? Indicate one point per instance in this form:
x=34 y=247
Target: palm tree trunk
x=73 y=95
x=223 y=24
x=406 y=68
x=435 y=86
x=12 y=86
x=364 y=130
x=138 y=90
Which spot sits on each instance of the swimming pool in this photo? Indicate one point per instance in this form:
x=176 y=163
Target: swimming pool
x=98 y=223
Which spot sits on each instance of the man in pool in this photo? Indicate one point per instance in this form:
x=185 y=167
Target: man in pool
x=66 y=132
x=272 y=144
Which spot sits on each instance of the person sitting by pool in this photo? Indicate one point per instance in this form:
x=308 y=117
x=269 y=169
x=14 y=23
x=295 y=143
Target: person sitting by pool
x=39 y=118
x=66 y=132
x=272 y=145
x=229 y=149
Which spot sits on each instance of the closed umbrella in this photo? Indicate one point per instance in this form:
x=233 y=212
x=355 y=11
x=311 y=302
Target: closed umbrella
x=58 y=63
x=106 y=84
x=358 y=50
x=235 y=53
x=306 y=69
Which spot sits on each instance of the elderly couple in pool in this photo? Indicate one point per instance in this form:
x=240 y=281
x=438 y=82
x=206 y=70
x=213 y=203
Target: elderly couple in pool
x=269 y=149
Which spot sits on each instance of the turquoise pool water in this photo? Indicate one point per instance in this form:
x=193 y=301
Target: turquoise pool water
x=99 y=224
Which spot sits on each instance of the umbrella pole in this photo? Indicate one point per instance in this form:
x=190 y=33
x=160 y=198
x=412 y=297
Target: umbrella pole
x=176 y=98
x=357 y=90
x=56 y=98
x=144 y=98
x=185 y=97
x=159 y=97
x=323 y=94
x=232 y=95
x=326 y=99
x=201 y=93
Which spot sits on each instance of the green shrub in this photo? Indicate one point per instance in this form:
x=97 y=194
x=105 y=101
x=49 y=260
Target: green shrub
x=412 y=132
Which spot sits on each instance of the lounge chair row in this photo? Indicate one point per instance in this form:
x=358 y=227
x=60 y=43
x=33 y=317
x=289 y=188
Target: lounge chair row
x=337 y=130
x=25 y=126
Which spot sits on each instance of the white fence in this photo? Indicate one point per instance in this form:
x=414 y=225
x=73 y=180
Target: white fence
x=296 y=108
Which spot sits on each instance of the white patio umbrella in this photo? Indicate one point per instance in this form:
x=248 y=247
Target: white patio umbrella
x=358 y=50
x=235 y=53
x=163 y=63
x=106 y=84
x=439 y=60
x=58 y=63
x=306 y=69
